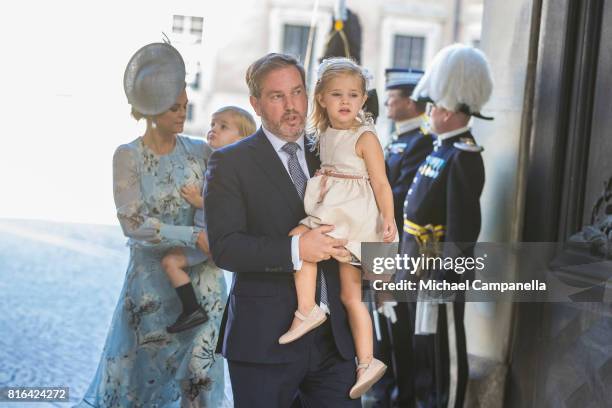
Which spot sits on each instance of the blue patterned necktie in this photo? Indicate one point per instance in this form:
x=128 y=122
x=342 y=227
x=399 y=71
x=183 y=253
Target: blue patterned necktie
x=299 y=180
x=295 y=170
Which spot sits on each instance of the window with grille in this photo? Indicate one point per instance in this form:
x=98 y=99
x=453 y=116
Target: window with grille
x=408 y=51
x=197 y=25
x=178 y=24
x=295 y=41
x=187 y=28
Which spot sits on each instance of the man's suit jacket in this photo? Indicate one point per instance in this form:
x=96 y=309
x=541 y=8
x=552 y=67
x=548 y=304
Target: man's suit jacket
x=251 y=205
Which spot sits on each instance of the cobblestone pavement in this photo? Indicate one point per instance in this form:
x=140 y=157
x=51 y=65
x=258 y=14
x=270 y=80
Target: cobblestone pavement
x=59 y=285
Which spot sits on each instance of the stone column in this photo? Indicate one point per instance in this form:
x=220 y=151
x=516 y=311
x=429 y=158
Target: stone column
x=506 y=41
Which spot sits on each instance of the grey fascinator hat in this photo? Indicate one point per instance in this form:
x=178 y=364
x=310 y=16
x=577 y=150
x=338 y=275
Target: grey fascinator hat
x=154 y=78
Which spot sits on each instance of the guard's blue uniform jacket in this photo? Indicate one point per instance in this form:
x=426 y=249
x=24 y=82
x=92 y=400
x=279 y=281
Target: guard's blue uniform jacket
x=403 y=156
x=442 y=205
x=443 y=201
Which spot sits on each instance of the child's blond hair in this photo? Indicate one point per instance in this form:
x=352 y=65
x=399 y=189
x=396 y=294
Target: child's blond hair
x=328 y=69
x=244 y=120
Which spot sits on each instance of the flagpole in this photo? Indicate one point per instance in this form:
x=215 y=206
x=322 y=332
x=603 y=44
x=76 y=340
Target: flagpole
x=311 y=31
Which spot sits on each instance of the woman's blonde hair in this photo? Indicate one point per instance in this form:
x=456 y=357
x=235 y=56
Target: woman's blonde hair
x=244 y=120
x=329 y=69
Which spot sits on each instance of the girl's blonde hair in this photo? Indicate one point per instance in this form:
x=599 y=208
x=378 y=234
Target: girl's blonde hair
x=329 y=69
x=244 y=120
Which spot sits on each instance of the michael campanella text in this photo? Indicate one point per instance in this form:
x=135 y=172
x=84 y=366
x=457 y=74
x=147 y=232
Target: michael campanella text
x=442 y=285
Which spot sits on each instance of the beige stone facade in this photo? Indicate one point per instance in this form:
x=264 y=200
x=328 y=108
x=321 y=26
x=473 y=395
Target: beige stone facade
x=237 y=33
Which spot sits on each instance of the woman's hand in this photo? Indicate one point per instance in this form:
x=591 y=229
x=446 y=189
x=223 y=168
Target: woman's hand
x=389 y=229
x=193 y=195
x=202 y=243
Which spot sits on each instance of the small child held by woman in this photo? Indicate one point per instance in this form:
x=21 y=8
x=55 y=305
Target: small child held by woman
x=228 y=125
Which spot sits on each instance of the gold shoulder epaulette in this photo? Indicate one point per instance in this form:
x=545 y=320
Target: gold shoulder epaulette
x=468 y=145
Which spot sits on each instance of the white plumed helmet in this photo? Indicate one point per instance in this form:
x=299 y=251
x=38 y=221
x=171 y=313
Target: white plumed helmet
x=459 y=80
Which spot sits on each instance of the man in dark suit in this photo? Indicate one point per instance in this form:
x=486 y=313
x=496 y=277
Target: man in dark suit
x=253 y=199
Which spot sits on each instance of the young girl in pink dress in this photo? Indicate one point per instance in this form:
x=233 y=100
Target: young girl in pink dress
x=352 y=193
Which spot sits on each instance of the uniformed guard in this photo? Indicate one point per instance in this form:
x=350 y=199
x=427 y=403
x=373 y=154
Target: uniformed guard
x=442 y=207
x=409 y=146
x=410 y=142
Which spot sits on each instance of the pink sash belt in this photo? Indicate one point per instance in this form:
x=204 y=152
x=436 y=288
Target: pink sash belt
x=327 y=173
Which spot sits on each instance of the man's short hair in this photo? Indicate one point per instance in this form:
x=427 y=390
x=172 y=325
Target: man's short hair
x=264 y=65
x=406 y=93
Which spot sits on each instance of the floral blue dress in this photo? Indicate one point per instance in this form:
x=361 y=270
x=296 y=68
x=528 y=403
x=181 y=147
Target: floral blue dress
x=142 y=365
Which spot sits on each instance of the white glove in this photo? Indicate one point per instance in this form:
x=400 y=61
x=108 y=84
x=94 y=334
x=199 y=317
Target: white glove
x=387 y=310
x=426 y=321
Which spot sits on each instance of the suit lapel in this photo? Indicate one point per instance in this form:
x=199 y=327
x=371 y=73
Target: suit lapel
x=271 y=164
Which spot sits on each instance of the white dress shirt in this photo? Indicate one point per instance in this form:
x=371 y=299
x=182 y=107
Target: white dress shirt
x=277 y=144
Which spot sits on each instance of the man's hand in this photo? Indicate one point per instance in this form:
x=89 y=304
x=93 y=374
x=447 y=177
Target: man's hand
x=316 y=246
x=202 y=243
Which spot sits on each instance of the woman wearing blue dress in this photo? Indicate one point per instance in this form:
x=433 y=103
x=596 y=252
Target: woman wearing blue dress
x=142 y=364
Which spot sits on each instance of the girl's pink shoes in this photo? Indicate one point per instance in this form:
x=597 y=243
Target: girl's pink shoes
x=373 y=372
x=315 y=318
